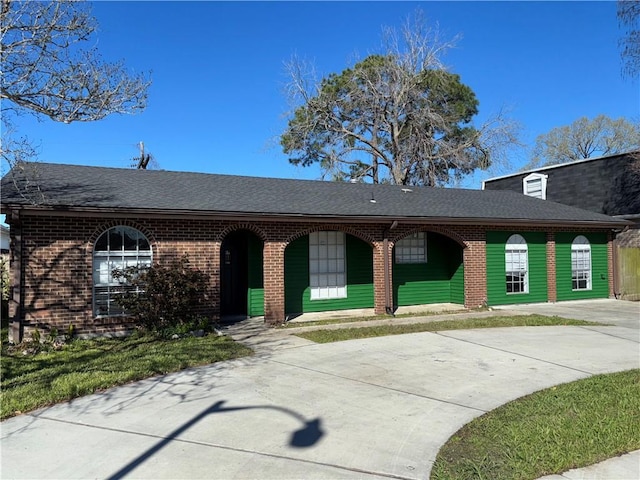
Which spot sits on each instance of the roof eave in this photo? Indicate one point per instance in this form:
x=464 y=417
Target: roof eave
x=325 y=218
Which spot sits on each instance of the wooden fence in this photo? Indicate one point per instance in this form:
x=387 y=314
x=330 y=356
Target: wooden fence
x=628 y=262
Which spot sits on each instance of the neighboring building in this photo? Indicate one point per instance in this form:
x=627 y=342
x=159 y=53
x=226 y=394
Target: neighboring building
x=277 y=247
x=609 y=185
x=4 y=240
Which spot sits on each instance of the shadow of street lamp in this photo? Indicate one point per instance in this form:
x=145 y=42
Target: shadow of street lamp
x=306 y=436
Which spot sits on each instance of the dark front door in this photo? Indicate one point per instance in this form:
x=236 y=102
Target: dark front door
x=235 y=268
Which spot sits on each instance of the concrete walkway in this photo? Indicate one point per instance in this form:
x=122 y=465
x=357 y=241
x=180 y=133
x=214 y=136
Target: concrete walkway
x=374 y=408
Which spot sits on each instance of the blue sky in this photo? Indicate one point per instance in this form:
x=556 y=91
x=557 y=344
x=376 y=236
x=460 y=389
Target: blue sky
x=217 y=104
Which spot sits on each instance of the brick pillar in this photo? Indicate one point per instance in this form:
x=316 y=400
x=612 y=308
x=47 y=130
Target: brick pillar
x=475 y=272
x=551 y=267
x=216 y=280
x=610 y=263
x=379 y=296
x=15 y=294
x=274 y=313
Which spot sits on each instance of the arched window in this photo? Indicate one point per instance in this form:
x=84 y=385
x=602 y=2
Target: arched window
x=117 y=248
x=581 y=263
x=517 y=264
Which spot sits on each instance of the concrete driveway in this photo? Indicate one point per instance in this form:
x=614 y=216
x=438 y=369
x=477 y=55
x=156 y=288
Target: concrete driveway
x=375 y=408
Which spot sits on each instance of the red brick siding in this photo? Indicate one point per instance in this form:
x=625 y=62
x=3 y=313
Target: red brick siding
x=56 y=257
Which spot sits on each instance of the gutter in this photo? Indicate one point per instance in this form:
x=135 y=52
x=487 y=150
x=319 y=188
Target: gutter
x=307 y=218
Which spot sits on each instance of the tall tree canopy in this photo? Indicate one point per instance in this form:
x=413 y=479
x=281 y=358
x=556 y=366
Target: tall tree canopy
x=396 y=117
x=629 y=19
x=47 y=72
x=586 y=138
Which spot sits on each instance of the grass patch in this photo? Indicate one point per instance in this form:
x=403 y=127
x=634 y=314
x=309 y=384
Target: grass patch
x=337 y=335
x=86 y=366
x=333 y=321
x=551 y=431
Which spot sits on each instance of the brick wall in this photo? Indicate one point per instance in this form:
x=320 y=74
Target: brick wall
x=53 y=278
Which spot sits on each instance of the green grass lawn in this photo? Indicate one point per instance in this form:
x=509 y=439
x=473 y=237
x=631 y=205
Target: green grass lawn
x=337 y=335
x=86 y=366
x=551 y=431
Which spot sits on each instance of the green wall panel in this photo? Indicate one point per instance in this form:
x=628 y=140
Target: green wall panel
x=359 y=257
x=255 y=290
x=440 y=280
x=496 y=277
x=457 y=279
x=599 y=267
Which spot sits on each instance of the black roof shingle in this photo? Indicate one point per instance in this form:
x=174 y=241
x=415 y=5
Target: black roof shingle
x=72 y=186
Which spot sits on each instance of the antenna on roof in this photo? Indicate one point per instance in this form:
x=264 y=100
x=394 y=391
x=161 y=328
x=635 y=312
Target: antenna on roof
x=142 y=161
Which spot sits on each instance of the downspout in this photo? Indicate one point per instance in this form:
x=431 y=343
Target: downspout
x=388 y=300
x=614 y=261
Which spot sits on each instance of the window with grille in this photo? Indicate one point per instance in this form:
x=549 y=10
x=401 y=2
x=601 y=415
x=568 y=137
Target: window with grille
x=581 y=263
x=517 y=264
x=412 y=249
x=117 y=248
x=327 y=270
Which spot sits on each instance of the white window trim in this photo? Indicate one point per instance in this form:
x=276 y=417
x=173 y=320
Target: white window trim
x=327 y=265
x=532 y=178
x=516 y=244
x=581 y=244
x=122 y=257
x=411 y=249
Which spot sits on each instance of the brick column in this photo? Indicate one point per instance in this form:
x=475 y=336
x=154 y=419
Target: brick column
x=475 y=272
x=16 y=292
x=552 y=295
x=216 y=280
x=274 y=313
x=379 y=296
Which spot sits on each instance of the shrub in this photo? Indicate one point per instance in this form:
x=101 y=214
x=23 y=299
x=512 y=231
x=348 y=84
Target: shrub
x=163 y=298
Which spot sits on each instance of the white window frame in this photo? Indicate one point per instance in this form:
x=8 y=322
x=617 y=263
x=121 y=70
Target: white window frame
x=516 y=259
x=581 y=271
x=532 y=180
x=105 y=287
x=412 y=249
x=327 y=265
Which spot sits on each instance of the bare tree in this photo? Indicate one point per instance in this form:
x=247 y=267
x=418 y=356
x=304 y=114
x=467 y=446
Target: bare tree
x=585 y=138
x=628 y=18
x=395 y=117
x=47 y=72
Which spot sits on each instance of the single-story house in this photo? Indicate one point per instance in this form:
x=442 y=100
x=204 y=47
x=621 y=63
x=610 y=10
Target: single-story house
x=279 y=247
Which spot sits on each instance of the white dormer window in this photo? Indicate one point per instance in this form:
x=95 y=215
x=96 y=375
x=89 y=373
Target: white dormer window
x=535 y=185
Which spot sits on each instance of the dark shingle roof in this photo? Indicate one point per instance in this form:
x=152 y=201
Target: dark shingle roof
x=71 y=186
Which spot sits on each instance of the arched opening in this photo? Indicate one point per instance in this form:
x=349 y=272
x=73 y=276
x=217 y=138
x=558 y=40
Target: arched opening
x=326 y=271
x=241 y=275
x=427 y=268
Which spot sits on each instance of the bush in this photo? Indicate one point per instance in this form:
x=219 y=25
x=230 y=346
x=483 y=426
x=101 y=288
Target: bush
x=164 y=299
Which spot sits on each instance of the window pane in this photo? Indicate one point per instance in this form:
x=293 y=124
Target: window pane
x=102 y=245
x=115 y=240
x=130 y=239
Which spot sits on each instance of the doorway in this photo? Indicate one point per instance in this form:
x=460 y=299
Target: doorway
x=241 y=282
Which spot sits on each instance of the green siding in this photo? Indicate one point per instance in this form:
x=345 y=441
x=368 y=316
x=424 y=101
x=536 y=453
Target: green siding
x=599 y=267
x=457 y=279
x=440 y=280
x=255 y=284
x=359 y=257
x=496 y=278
